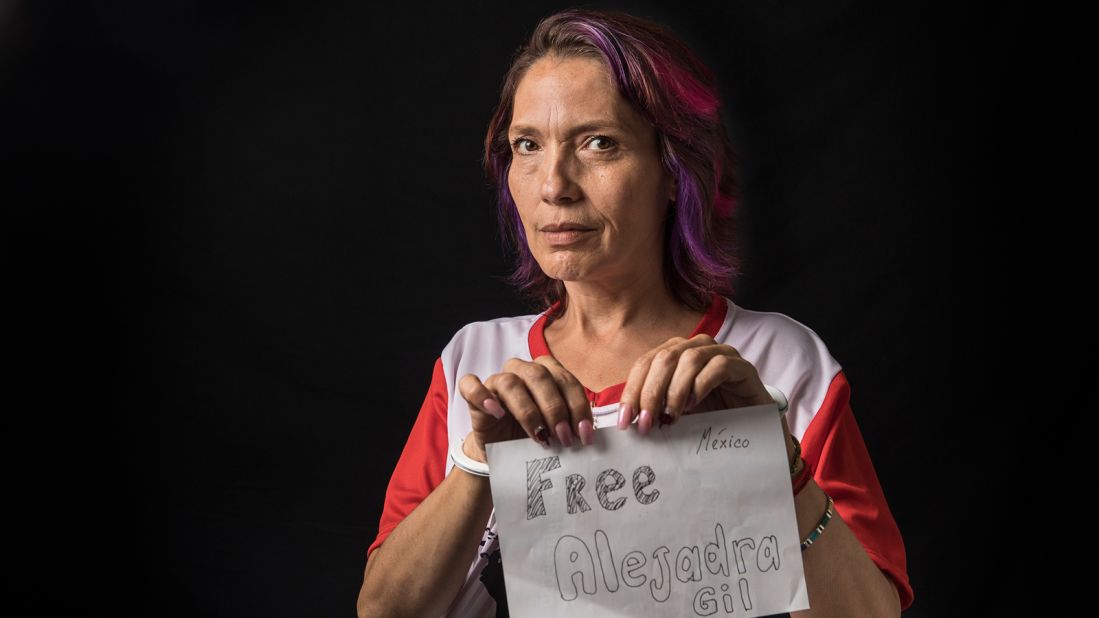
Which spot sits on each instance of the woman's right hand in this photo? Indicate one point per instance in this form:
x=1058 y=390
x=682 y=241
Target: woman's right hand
x=538 y=398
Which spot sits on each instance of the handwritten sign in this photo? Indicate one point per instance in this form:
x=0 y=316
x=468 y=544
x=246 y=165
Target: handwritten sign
x=694 y=519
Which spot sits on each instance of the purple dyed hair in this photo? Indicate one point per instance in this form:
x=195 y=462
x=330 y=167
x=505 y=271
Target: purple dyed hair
x=667 y=83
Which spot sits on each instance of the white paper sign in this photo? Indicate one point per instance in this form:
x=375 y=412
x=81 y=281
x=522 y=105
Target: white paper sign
x=694 y=519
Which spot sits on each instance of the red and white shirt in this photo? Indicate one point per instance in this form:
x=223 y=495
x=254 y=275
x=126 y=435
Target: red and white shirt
x=785 y=353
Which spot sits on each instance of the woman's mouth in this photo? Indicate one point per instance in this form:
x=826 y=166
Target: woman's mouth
x=565 y=237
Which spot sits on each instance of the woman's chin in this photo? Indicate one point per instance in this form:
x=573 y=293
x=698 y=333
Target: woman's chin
x=565 y=275
x=564 y=270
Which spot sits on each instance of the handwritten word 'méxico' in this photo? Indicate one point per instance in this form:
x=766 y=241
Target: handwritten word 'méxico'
x=608 y=482
x=717 y=442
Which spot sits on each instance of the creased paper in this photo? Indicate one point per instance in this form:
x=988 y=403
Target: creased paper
x=694 y=519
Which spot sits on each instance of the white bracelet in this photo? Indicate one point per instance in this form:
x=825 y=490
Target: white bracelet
x=779 y=398
x=465 y=462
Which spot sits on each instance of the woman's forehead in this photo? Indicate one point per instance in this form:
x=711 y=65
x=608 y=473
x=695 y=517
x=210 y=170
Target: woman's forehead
x=569 y=96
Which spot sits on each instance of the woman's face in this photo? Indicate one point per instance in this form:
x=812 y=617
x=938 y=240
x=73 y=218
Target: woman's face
x=586 y=175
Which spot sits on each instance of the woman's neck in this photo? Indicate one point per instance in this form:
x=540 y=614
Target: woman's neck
x=598 y=313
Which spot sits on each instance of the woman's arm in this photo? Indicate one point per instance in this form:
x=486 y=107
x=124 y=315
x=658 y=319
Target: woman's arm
x=422 y=564
x=841 y=578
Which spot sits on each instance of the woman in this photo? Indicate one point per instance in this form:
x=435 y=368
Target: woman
x=617 y=186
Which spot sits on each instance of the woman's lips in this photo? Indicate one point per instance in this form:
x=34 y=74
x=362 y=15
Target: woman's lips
x=565 y=237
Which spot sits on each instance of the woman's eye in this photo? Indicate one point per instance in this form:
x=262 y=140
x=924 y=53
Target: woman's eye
x=518 y=142
x=608 y=142
x=602 y=143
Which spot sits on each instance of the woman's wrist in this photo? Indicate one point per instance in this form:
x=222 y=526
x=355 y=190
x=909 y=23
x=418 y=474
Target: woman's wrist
x=802 y=477
x=473 y=450
x=809 y=504
x=793 y=455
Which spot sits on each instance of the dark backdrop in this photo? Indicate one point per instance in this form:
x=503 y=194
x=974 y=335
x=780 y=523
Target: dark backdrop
x=241 y=233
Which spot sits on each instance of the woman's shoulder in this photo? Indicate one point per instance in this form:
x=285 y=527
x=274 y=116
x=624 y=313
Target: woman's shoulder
x=484 y=345
x=501 y=328
x=771 y=327
x=787 y=353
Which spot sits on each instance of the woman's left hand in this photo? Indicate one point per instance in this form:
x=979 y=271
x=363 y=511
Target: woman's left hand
x=682 y=376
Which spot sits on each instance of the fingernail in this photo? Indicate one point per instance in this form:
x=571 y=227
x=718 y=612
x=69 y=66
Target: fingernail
x=542 y=434
x=587 y=432
x=493 y=408
x=625 y=415
x=564 y=434
x=665 y=418
x=645 y=422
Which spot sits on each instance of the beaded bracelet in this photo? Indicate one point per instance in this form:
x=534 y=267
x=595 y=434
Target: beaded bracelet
x=815 y=534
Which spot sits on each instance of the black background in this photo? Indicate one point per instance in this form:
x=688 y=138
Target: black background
x=239 y=234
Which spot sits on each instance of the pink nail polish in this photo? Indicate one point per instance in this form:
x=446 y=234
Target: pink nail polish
x=493 y=408
x=645 y=422
x=625 y=416
x=564 y=434
x=587 y=432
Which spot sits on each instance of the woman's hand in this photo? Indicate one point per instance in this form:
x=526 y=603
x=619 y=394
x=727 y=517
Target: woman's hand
x=536 y=398
x=682 y=376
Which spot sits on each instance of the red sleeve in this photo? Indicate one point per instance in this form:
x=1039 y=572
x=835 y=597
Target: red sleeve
x=422 y=465
x=833 y=446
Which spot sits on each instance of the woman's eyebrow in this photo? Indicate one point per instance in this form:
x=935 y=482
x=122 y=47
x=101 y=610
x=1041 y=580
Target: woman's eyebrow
x=594 y=125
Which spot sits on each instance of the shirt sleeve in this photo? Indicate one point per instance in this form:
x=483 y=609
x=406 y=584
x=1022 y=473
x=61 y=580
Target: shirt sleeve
x=833 y=446
x=422 y=465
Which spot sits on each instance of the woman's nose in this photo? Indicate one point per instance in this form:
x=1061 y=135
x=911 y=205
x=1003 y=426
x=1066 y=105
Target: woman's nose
x=558 y=183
